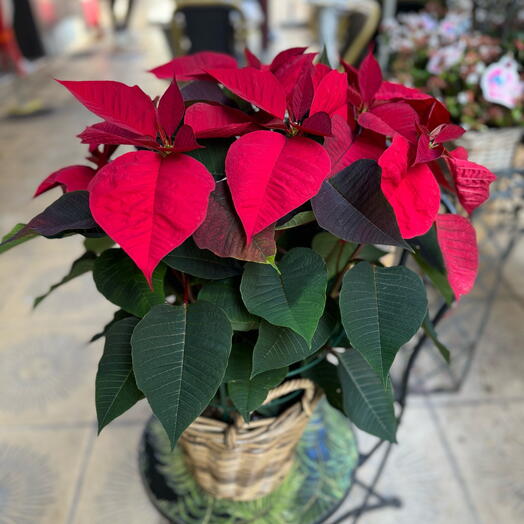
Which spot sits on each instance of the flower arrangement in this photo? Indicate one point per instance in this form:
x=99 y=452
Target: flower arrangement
x=243 y=239
x=476 y=75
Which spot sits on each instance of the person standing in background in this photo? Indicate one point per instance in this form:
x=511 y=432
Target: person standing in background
x=26 y=30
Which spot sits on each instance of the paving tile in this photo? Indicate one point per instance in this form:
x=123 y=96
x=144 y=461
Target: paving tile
x=487 y=441
x=38 y=473
x=112 y=490
x=419 y=473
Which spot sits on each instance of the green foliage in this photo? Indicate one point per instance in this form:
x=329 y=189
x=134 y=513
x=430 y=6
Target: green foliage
x=294 y=297
x=279 y=346
x=325 y=375
x=118 y=278
x=429 y=329
x=25 y=234
x=366 y=402
x=212 y=155
x=337 y=253
x=381 y=308
x=180 y=355
x=116 y=389
x=201 y=263
x=304 y=217
x=98 y=245
x=248 y=393
x=80 y=266
x=225 y=294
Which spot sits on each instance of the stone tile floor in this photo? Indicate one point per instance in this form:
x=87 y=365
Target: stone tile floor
x=460 y=457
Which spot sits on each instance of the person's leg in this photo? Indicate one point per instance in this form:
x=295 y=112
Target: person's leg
x=114 y=20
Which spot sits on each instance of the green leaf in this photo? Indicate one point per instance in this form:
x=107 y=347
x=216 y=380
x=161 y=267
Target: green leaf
x=80 y=266
x=116 y=389
x=201 y=263
x=325 y=375
x=304 y=217
x=337 y=253
x=366 y=402
x=118 y=278
x=225 y=294
x=98 y=245
x=429 y=329
x=180 y=355
x=381 y=309
x=28 y=235
x=428 y=248
x=277 y=347
x=248 y=394
x=213 y=155
x=439 y=280
x=295 y=298
x=119 y=315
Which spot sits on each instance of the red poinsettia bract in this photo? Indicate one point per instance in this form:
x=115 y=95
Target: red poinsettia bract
x=149 y=202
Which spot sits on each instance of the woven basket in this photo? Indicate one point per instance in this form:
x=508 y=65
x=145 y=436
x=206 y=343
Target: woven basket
x=493 y=148
x=245 y=461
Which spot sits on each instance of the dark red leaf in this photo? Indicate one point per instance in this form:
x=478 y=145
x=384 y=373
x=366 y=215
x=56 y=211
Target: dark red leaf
x=448 y=132
x=192 y=67
x=203 y=91
x=283 y=59
x=71 y=178
x=260 y=88
x=149 y=204
x=223 y=234
x=269 y=175
x=351 y=206
x=458 y=243
x=119 y=104
x=391 y=91
x=171 y=109
x=426 y=152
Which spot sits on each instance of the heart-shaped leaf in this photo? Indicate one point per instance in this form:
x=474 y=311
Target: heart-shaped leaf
x=116 y=389
x=222 y=231
x=118 y=278
x=180 y=355
x=249 y=393
x=352 y=207
x=294 y=297
x=366 y=402
x=458 y=243
x=225 y=294
x=277 y=347
x=381 y=309
x=149 y=204
x=201 y=263
x=270 y=175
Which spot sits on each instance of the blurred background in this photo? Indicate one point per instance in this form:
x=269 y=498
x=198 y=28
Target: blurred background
x=460 y=457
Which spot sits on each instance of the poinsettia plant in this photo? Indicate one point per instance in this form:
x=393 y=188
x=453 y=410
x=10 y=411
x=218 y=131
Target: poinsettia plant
x=243 y=240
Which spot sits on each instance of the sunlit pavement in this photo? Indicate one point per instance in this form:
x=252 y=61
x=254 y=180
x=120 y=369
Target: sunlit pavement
x=460 y=457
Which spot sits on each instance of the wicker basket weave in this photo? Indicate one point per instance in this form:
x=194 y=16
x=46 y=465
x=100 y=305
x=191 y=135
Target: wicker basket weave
x=493 y=148
x=245 y=461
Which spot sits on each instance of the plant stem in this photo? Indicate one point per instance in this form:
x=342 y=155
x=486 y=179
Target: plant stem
x=338 y=283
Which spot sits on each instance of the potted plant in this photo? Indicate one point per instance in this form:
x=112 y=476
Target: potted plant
x=478 y=75
x=243 y=242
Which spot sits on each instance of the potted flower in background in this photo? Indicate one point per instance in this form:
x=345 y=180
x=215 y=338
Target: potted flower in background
x=477 y=74
x=244 y=244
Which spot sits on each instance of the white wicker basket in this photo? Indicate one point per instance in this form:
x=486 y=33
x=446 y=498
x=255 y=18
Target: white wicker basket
x=493 y=148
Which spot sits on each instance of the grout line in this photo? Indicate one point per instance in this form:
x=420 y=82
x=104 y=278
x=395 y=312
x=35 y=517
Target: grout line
x=81 y=476
x=453 y=462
